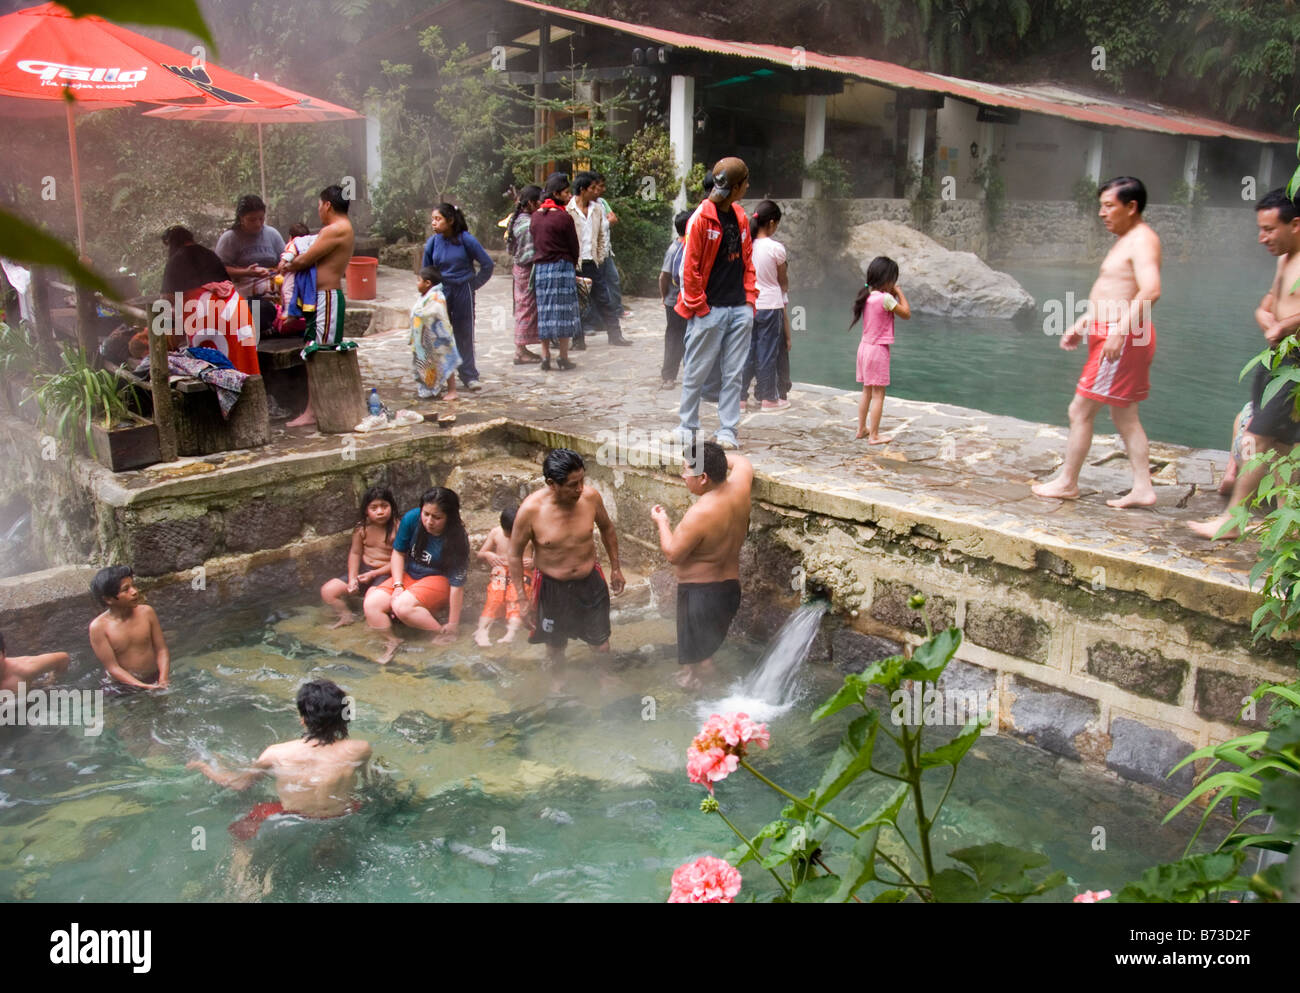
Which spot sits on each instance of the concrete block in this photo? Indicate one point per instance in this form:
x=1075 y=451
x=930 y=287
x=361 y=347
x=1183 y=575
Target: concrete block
x=1146 y=754
x=1048 y=717
x=890 y=606
x=1007 y=630
x=852 y=651
x=1144 y=671
x=1219 y=697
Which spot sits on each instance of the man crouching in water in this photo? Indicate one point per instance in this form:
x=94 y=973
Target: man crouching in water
x=315 y=777
x=704 y=552
x=570 y=598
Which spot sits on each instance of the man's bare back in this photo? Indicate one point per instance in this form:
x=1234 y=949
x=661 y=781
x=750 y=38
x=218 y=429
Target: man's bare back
x=315 y=780
x=708 y=540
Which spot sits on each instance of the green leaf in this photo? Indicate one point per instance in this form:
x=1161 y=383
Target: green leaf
x=821 y=889
x=851 y=758
x=891 y=896
x=887 y=812
x=1280 y=796
x=23 y=242
x=932 y=656
x=999 y=866
x=954 y=886
x=862 y=865
x=952 y=753
x=847 y=695
x=1188 y=880
x=1279 y=381
x=183 y=14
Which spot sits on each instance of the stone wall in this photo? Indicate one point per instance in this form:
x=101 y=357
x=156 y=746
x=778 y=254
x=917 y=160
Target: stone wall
x=1029 y=231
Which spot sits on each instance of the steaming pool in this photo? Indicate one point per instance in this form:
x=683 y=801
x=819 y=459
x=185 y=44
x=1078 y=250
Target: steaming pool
x=501 y=781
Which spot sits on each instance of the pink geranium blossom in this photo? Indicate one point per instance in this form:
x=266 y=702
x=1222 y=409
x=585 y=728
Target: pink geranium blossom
x=716 y=751
x=706 y=880
x=1088 y=896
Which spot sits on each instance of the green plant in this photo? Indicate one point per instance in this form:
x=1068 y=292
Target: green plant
x=77 y=397
x=989 y=177
x=831 y=175
x=892 y=848
x=1084 y=195
x=20 y=357
x=920 y=189
x=1193 y=196
x=695 y=183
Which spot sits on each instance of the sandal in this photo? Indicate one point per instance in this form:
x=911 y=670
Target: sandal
x=528 y=358
x=565 y=365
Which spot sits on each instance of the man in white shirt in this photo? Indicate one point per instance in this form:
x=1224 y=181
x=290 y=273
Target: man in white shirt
x=589 y=220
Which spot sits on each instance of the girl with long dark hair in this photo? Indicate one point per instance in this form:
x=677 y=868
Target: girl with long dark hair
x=455 y=252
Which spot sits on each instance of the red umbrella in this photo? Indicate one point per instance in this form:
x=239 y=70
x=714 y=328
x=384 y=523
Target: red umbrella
x=47 y=54
x=302 y=110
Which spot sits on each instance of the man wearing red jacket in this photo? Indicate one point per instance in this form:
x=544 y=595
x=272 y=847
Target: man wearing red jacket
x=717 y=299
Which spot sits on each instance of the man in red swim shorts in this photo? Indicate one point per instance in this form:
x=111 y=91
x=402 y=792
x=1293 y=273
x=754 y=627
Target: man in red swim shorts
x=1121 y=344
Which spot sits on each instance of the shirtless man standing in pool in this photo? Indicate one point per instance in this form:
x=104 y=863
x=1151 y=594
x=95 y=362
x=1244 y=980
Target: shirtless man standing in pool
x=704 y=552
x=570 y=598
x=1121 y=344
x=329 y=253
x=1274 y=427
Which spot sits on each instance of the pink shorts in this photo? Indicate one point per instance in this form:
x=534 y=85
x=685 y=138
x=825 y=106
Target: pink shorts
x=873 y=364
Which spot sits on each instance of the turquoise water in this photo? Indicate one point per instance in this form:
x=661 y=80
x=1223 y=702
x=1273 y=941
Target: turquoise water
x=1205 y=334
x=498 y=784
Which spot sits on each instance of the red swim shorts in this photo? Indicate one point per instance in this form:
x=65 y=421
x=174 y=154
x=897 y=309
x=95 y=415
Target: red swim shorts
x=1118 y=382
x=246 y=828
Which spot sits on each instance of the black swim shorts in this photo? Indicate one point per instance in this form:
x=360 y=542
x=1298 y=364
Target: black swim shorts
x=571 y=608
x=704 y=613
x=1275 y=419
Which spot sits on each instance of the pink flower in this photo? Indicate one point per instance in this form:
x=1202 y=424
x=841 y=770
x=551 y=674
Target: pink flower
x=1088 y=896
x=706 y=880
x=716 y=751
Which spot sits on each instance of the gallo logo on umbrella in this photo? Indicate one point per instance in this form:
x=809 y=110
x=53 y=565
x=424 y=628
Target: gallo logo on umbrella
x=59 y=74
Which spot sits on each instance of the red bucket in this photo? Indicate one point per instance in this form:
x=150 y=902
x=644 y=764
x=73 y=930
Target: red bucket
x=362 y=273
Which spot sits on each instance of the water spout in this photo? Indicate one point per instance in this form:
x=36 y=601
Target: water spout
x=771 y=689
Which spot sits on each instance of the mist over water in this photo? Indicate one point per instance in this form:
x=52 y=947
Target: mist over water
x=771 y=689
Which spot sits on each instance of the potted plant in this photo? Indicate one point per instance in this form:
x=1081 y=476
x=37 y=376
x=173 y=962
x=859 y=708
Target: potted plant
x=81 y=402
x=19 y=359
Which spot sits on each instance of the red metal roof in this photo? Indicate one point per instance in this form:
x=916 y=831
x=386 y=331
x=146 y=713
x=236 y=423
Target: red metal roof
x=1073 y=105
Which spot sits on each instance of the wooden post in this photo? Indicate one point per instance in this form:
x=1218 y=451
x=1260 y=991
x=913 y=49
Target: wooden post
x=87 y=333
x=163 y=412
x=41 y=317
x=334 y=384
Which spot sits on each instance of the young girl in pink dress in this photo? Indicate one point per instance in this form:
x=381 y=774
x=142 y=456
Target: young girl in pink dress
x=878 y=303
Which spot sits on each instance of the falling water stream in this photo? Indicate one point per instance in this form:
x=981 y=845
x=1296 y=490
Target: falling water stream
x=771 y=688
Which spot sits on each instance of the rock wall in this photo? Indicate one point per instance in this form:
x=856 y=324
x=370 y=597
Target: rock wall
x=815 y=231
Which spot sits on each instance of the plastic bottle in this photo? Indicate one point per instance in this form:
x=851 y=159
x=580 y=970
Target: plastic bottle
x=373 y=403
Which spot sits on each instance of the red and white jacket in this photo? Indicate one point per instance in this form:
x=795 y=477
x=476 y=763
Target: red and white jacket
x=703 y=239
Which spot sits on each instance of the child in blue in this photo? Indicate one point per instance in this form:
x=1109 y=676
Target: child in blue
x=454 y=251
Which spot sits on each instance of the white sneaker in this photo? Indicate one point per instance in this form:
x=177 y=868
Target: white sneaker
x=374 y=422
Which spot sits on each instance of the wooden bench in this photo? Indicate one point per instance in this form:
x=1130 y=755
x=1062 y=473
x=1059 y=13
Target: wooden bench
x=200 y=428
x=284 y=370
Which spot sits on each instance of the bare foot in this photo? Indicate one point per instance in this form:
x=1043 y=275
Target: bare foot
x=860 y=434
x=482 y=638
x=306 y=419
x=1054 y=489
x=509 y=636
x=1134 y=498
x=687 y=679
x=1209 y=530
x=880 y=439
x=451 y=395
x=343 y=621
x=390 y=649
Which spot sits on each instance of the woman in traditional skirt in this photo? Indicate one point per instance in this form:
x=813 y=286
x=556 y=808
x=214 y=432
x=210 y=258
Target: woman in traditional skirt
x=519 y=240
x=555 y=260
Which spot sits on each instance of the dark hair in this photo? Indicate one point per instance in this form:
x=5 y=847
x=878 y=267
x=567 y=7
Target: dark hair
x=432 y=273
x=249 y=203
x=297 y=229
x=707 y=457
x=882 y=272
x=556 y=182
x=599 y=177
x=321 y=704
x=559 y=463
x=507 y=523
x=764 y=214
x=107 y=583
x=2 y=643
x=681 y=220
x=527 y=195
x=177 y=237
x=452 y=214
x=1283 y=204
x=582 y=180
x=455 y=542
x=333 y=195
x=1127 y=190
x=379 y=493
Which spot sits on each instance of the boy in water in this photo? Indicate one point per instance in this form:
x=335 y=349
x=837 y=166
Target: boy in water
x=127 y=637
x=502 y=597
x=15 y=669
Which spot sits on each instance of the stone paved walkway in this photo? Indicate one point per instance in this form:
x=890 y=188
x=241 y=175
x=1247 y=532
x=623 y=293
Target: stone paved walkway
x=962 y=473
